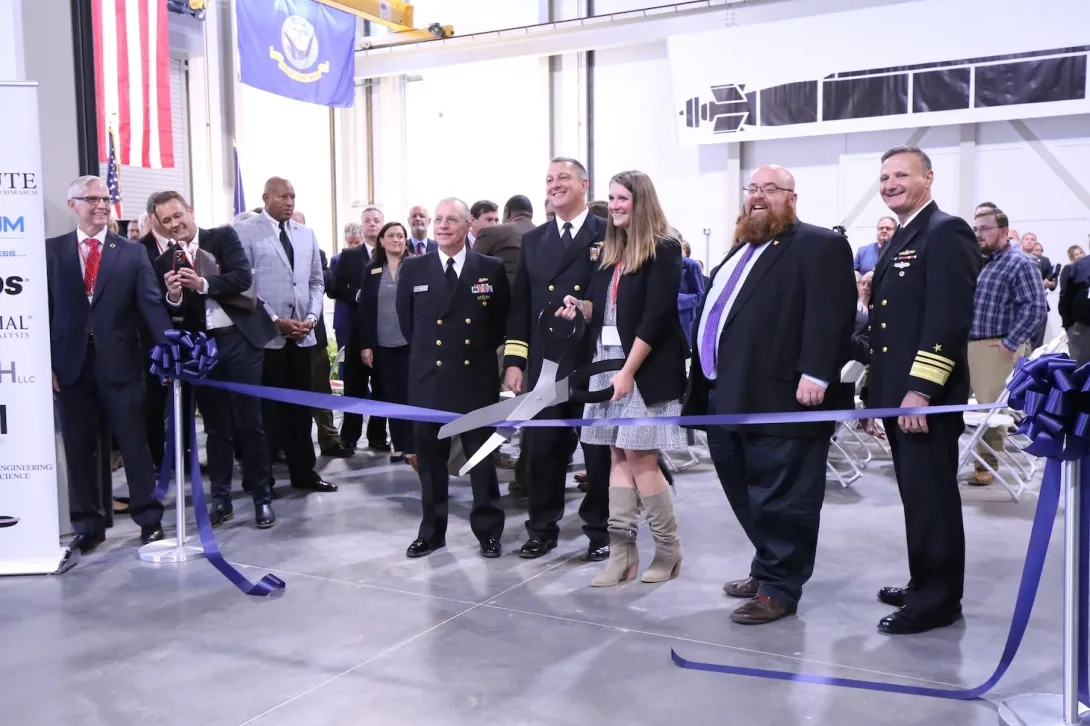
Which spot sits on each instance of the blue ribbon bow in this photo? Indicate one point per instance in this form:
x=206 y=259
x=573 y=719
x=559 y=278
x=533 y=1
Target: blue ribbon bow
x=1054 y=396
x=189 y=356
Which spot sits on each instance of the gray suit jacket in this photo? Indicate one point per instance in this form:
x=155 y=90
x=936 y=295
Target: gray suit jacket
x=504 y=241
x=287 y=293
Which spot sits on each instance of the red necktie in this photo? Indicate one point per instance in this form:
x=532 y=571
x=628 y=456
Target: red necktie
x=90 y=265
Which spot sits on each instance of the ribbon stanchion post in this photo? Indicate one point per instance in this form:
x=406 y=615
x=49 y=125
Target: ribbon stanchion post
x=177 y=549
x=1054 y=397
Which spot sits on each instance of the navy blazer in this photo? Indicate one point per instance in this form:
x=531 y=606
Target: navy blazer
x=690 y=294
x=365 y=316
x=126 y=296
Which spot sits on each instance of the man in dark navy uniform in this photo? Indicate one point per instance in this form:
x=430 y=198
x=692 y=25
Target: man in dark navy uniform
x=557 y=259
x=452 y=305
x=921 y=309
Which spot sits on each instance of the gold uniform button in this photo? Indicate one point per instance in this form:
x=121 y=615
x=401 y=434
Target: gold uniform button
x=577 y=288
x=439 y=363
x=468 y=321
x=551 y=288
x=868 y=327
x=883 y=326
x=885 y=349
x=438 y=342
x=438 y=322
x=885 y=302
x=871 y=351
x=484 y=303
x=467 y=341
x=467 y=362
x=871 y=306
x=902 y=273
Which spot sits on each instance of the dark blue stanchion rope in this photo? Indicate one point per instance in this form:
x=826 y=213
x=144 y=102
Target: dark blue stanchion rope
x=1053 y=396
x=190 y=357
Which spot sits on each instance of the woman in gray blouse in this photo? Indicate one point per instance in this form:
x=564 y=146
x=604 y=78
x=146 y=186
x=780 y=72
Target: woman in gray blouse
x=384 y=347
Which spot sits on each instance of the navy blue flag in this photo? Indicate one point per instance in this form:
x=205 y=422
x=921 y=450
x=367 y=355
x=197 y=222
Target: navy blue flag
x=240 y=200
x=300 y=49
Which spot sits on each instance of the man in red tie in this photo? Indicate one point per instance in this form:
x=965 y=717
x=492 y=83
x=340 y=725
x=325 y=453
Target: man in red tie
x=101 y=288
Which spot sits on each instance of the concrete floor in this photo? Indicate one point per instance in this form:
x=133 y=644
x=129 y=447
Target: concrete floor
x=364 y=636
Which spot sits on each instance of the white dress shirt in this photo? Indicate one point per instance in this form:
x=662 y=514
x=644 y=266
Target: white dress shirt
x=718 y=286
x=85 y=249
x=916 y=213
x=459 y=260
x=214 y=315
x=576 y=224
x=274 y=223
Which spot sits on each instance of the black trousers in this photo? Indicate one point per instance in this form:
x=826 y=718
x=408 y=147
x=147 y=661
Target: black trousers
x=927 y=469
x=286 y=424
x=392 y=385
x=89 y=410
x=549 y=449
x=486 y=517
x=323 y=418
x=232 y=422
x=359 y=382
x=776 y=487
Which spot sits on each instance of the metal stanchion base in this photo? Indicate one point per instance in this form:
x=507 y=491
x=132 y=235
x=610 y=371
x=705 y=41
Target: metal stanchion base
x=1037 y=709
x=167 y=550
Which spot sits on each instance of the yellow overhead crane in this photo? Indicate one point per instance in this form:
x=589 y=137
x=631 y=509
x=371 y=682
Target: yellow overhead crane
x=395 y=15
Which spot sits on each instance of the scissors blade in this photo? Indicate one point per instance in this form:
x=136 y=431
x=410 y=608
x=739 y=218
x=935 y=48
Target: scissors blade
x=494 y=442
x=489 y=415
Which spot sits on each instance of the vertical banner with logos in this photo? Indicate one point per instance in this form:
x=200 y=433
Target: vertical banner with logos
x=29 y=529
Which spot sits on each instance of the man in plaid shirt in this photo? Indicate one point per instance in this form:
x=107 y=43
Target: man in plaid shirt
x=1008 y=308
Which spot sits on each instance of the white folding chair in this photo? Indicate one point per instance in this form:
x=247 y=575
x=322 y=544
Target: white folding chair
x=843 y=434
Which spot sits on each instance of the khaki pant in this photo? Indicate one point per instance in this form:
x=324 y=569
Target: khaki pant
x=989 y=368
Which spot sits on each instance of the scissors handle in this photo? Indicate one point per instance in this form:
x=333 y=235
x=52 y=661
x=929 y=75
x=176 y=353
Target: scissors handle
x=579 y=382
x=560 y=337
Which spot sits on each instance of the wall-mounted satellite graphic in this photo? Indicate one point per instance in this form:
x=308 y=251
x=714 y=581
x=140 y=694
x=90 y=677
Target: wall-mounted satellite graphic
x=1019 y=79
x=8 y=521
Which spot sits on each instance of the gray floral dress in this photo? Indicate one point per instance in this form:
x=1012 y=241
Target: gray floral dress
x=633 y=438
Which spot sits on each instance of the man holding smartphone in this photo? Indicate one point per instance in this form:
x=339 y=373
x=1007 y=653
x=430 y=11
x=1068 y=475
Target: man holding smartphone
x=207 y=280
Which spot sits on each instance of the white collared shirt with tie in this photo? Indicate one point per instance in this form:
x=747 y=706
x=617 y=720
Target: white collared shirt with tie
x=85 y=249
x=459 y=260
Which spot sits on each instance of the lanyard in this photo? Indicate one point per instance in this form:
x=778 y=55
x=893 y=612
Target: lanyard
x=616 y=281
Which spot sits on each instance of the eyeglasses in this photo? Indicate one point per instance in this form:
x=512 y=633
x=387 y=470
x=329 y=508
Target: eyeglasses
x=984 y=229
x=95 y=201
x=449 y=220
x=765 y=189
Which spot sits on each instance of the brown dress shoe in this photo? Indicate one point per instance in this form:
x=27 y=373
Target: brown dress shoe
x=760 y=610
x=981 y=478
x=746 y=588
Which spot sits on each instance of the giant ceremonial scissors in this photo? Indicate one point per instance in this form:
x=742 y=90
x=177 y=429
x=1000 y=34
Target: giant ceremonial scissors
x=561 y=338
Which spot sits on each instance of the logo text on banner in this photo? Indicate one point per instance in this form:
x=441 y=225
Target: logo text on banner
x=297 y=48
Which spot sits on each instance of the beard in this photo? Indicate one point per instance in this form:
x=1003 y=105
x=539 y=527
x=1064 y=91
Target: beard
x=756 y=230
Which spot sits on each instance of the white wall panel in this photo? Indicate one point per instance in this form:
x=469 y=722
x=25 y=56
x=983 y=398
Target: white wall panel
x=477 y=131
x=633 y=126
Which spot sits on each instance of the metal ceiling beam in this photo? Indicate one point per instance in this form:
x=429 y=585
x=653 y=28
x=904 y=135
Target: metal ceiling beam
x=568 y=36
x=394 y=14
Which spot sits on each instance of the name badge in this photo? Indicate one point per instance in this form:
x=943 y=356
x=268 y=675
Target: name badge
x=610 y=336
x=420 y=288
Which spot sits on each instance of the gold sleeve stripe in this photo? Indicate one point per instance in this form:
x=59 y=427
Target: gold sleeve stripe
x=929 y=372
x=924 y=356
x=516 y=348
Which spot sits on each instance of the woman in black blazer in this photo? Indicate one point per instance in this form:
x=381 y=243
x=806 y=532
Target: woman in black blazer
x=633 y=316
x=375 y=323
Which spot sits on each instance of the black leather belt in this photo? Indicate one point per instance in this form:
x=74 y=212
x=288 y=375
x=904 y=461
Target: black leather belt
x=220 y=332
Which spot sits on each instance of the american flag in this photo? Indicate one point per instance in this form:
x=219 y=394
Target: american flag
x=240 y=200
x=113 y=179
x=132 y=80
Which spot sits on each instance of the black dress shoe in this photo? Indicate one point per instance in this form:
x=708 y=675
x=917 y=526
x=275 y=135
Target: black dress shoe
x=893 y=596
x=152 y=533
x=86 y=542
x=315 y=486
x=383 y=447
x=491 y=548
x=597 y=551
x=422 y=547
x=221 y=513
x=907 y=621
x=336 y=451
x=535 y=548
x=264 y=516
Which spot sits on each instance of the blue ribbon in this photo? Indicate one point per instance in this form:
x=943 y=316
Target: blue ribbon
x=383 y=409
x=1052 y=393
x=189 y=357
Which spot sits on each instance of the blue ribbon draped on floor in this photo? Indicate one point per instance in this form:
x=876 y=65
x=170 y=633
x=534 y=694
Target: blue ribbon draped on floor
x=190 y=357
x=1054 y=397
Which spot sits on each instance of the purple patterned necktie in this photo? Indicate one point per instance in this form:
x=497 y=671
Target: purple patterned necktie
x=709 y=342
